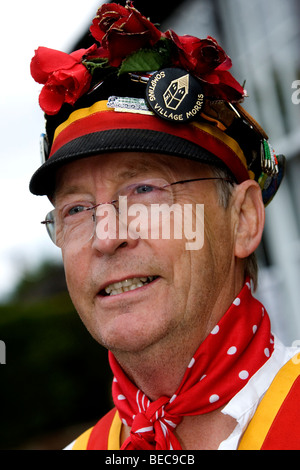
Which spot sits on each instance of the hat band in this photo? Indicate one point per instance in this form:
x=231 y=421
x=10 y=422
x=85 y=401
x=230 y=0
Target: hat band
x=99 y=118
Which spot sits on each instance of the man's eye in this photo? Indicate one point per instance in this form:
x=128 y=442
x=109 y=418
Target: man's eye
x=76 y=210
x=145 y=188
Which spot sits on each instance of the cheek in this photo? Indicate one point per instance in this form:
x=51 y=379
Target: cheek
x=212 y=247
x=75 y=264
x=219 y=239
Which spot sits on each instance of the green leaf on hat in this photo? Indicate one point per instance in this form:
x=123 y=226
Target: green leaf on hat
x=142 y=61
x=146 y=60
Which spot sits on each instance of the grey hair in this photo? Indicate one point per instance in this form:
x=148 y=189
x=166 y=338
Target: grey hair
x=225 y=190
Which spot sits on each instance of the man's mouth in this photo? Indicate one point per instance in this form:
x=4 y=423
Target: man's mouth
x=127 y=285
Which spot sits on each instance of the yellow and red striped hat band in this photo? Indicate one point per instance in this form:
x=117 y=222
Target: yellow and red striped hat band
x=100 y=118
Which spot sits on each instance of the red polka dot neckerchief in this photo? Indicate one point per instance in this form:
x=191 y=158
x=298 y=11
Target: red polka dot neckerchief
x=231 y=354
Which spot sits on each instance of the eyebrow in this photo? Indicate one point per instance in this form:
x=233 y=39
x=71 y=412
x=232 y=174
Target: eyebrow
x=132 y=172
x=66 y=191
x=137 y=167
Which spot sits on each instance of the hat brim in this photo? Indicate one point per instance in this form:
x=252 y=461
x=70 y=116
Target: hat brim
x=116 y=140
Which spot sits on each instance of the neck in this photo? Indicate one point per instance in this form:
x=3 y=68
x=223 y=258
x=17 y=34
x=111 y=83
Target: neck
x=228 y=358
x=159 y=369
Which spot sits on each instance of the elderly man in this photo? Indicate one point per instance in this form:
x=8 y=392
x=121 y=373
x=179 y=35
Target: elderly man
x=159 y=179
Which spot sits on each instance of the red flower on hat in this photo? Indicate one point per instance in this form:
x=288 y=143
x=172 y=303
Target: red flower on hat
x=122 y=30
x=130 y=43
x=64 y=77
x=206 y=59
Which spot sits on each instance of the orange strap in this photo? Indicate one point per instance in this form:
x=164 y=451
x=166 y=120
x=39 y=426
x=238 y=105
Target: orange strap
x=276 y=423
x=105 y=435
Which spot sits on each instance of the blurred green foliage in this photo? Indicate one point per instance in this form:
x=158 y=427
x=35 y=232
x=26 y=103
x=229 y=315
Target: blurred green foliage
x=55 y=374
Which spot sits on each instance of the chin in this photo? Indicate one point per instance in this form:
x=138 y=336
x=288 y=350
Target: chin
x=128 y=334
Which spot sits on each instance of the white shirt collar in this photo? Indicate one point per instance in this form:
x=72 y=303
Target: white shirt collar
x=244 y=404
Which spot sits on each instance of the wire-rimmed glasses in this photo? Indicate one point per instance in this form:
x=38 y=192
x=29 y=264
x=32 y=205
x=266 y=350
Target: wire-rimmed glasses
x=76 y=222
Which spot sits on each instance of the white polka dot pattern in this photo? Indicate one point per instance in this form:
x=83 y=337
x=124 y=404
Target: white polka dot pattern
x=234 y=350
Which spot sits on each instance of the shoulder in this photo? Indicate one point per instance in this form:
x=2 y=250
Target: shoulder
x=275 y=425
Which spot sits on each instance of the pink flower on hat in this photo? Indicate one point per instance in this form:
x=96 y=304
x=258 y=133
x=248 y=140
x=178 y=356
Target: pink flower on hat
x=64 y=76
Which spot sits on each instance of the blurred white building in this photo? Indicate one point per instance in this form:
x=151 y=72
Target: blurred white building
x=263 y=39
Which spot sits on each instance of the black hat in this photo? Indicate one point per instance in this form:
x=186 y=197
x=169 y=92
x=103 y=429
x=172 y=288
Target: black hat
x=144 y=90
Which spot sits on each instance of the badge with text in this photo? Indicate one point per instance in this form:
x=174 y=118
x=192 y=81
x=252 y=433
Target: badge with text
x=175 y=95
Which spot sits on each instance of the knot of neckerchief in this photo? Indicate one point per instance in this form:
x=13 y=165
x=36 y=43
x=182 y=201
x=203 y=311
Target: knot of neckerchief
x=230 y=355
x=153 y=424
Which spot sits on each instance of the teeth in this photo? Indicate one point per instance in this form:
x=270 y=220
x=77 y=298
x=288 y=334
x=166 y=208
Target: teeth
x=128 y=284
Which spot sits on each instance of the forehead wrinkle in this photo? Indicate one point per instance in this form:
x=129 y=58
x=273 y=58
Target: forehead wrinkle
x=131 y=172
x=67 y=191
x=143 y=165
x=136 y=165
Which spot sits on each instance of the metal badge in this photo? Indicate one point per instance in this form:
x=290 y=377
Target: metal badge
x=44 y=148
x=123 y=104
x=175 y=95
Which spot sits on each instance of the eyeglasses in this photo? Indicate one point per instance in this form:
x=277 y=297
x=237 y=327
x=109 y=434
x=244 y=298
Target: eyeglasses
x=76 y=222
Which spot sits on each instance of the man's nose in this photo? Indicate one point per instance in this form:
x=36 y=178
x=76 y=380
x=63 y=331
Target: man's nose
x=110 y=233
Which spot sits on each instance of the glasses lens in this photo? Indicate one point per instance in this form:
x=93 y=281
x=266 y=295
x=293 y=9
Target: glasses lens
x=50 y=225
x=75 y=225
x=147 y=201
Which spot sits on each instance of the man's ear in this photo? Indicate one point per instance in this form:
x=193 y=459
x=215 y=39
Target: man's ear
x=250 y=218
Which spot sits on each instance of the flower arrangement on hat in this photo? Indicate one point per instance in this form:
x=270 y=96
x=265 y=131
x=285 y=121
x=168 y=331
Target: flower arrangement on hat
x=129 y=42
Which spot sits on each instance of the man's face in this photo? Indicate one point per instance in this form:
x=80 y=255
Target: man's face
x=182 y=302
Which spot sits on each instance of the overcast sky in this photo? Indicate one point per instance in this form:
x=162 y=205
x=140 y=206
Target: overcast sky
x=24 y=26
